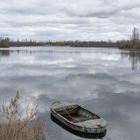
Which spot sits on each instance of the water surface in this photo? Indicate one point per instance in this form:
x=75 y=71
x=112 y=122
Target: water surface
x=105 y=81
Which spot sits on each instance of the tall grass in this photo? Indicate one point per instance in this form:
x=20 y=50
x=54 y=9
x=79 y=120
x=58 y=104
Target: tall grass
x=14 y=127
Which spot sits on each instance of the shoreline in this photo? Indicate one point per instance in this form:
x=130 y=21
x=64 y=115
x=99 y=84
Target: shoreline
x=49 y=46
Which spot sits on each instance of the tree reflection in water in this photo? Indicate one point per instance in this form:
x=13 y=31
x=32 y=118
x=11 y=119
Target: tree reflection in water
x=134 y=57
x=4 y=52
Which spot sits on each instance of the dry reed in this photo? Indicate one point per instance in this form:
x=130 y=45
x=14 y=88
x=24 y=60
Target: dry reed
x=14 y=127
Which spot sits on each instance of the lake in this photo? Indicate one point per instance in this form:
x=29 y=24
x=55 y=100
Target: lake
x=105 y=81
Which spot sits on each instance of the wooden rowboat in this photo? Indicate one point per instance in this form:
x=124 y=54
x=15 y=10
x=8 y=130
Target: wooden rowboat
x=78 y=120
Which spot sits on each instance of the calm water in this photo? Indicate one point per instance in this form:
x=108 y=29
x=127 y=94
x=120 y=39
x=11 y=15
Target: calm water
x=105 y=81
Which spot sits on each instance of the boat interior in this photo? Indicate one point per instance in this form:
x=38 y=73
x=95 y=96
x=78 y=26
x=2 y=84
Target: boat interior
x=77 y=114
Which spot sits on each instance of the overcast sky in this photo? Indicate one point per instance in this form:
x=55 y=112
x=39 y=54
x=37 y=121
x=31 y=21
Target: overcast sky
x=69 y=19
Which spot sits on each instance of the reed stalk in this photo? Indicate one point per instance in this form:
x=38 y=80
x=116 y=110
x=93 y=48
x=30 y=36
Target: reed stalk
x=14 y=127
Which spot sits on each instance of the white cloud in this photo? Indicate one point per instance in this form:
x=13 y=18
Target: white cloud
x=69 y=19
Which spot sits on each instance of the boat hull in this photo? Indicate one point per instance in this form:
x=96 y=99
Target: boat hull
x=78 y=132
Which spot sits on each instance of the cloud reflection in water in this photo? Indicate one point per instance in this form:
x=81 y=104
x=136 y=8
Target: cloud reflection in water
x=101 y=80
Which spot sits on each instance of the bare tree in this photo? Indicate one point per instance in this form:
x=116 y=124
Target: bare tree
x=135 y=38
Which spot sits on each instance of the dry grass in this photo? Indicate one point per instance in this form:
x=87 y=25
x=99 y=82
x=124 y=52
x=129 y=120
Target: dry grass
x=14 y=127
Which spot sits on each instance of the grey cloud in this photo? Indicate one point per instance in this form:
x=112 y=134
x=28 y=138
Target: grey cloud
x=71 y=19
x=91 y=9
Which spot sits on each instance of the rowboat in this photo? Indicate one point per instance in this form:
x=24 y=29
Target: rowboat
x=78 y=120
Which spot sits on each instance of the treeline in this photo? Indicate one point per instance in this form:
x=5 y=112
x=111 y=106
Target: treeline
x=123 y=44
x=133 y=43
x=6 y=42
x=107 y=44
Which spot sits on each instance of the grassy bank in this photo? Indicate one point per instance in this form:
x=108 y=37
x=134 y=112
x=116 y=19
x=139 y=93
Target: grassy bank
x=14 y=127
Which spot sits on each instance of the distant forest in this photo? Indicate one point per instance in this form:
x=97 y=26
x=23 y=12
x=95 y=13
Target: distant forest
x=6 y=42
x=133 y=43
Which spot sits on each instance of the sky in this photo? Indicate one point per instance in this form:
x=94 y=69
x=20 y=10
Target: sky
x=59 y=20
